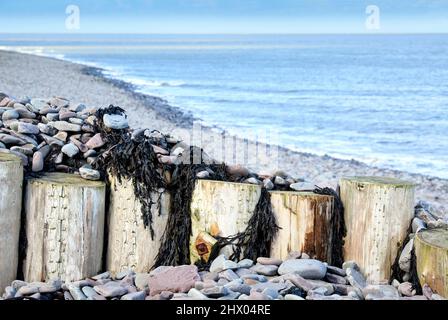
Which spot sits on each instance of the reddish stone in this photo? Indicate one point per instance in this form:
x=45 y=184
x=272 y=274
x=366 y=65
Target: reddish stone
x=174 y=279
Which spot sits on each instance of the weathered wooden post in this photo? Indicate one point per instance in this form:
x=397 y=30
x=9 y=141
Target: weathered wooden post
x=378 y=212
x=305 y=222
x=11 y=180
x=431 y=251
x=64 y=227
x=130 y=245
x=221 y=207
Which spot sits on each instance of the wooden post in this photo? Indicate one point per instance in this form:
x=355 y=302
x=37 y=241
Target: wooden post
x=431 y=251
x=305 y=222
x=64 y=227
x=222 y=207
x=130 y=245
x=11 y=179
x=378 y=212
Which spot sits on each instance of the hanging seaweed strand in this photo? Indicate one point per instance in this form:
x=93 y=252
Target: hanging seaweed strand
x=256 y=240
x=338 y=228
x=131 y=158
x=175 y=245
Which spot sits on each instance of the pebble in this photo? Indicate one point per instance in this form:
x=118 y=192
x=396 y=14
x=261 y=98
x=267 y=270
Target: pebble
x=333 y=278
x=240 y=288
x=306 y=268
x=268 y=184
x=61 y=135
x=269 y=261
x=252 y=180
x=221 y=264
x=110 y=289
x=140 y=295
x=243 y=271
x=215 y=292
x=66 y=126
x=293 y=297
x=302 y=186
x=266 y=270
x=229 y=275
x=28 y=290
x=256 y=277
x=26 y=149
x=174 y=279
x=65 y=115
x=417 y=225
x=245 y=263
x=8 y=140
x=355 y=278
x=115 y=121
x=406 y=289
x=377 y=292
x=76 y=292
x=196 y=294
x=59 y=102
x=27 y=128
x=89 y=173
x=45 y=128
x=95 y=142
x=203 y=175
x=89 y=292
x=279 y=181
x=350 y=264
x=70 y=150
x=336 y=271
x=405 y=257
x=10 y=115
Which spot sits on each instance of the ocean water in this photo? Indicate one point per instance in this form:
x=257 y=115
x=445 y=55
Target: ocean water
x=380 y=99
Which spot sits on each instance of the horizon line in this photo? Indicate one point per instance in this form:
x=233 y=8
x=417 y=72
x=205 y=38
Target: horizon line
x=224 y=33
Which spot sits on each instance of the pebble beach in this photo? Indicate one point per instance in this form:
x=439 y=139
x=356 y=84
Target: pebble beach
x=34 y=76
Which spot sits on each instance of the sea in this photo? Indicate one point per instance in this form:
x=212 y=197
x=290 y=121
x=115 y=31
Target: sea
x=379 y=99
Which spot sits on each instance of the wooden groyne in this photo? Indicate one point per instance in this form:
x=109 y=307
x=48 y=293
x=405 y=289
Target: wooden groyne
x=378 y=212
x=11 y=176
x=64 y=227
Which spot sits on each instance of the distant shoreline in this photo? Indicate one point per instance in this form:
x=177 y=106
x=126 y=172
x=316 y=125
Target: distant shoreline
x=25 y=74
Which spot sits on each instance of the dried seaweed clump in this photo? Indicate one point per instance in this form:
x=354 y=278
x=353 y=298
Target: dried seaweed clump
x=132 y=157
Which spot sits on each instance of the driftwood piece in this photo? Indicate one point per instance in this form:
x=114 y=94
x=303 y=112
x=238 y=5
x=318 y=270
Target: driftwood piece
x=431 y=251
x=130 y=245
x=223 y=208
x=378 y=212
x=11 y=180
x=64 y=227
x=305 y=222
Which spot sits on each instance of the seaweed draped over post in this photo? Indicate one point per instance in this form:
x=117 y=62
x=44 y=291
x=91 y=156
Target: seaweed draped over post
x=256 y=240
x=338 y=228
x=132 y=158
x=175 y=245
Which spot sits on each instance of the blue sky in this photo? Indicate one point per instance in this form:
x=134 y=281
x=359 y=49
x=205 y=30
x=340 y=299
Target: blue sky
x=223 y=16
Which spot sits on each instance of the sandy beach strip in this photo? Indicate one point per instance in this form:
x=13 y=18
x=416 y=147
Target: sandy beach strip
x=34 y=76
